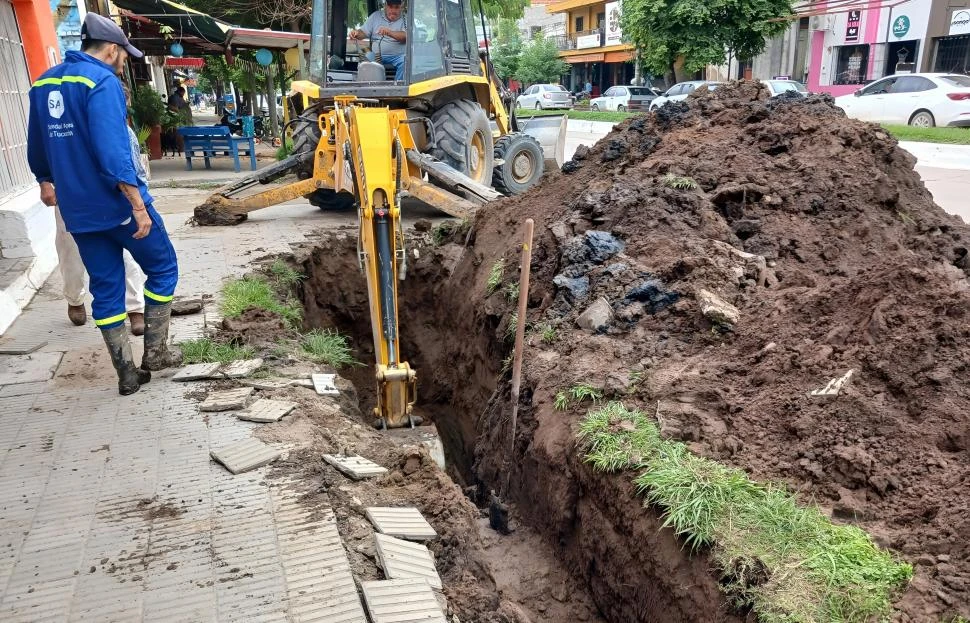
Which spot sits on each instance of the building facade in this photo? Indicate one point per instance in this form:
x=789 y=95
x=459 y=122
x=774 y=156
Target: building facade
x=593 y=45
x=29 y=46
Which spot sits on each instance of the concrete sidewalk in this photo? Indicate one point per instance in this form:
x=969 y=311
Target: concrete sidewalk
x=110 y=508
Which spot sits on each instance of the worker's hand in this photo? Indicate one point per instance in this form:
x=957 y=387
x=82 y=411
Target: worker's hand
x=47 y=194
x=357 y=35
x=144 y=222
x=384 y=31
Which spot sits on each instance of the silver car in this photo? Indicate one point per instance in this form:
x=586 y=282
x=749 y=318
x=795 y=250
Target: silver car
x=680 y=91
x=543 y=96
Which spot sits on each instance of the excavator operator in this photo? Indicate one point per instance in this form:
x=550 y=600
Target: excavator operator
x=387 y=30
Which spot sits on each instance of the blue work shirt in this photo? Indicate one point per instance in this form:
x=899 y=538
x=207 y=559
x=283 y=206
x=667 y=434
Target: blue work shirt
x=77 y=139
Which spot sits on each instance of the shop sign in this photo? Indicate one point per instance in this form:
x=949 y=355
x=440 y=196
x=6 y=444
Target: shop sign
x=900 y=26
x=587 y=41
x=960 y=23
x=852 y=27
x=614 y=33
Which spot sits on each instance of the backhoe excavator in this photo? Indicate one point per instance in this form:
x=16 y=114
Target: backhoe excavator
x=445 y=135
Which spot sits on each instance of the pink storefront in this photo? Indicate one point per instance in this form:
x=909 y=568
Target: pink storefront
x=854 y=43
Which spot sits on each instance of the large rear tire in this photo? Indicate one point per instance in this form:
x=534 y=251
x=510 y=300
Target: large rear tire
x=522 y=165
x=306 y=137
x=463 y=139
x=331 y=201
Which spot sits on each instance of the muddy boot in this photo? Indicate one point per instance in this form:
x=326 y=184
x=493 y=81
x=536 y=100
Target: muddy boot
x=130 y=378
x=77 y=314
x=137 y=320
x=157 y=354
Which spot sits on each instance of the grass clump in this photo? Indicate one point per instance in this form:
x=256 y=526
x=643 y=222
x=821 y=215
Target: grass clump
x=242 y=294
x=205 y=350
x=329 y=347
x=495 y=276
x=561 y=402
x=678 y=182
x=285 y=275
x=512 y=292
x=788 y=563
x=547 y=333
x=951 y=136
x=579 y=392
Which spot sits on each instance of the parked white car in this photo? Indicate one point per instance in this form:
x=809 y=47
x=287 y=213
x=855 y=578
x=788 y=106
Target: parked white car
x=543 y=96
x=623 y=98
x=921 y=100
x=680 y=91
x=777 y=87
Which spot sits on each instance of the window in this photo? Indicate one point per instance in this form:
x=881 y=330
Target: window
x=880 y=87
x=956 y=81
x=620 y=91
x=782 y=86
x=531 y=90
x=640 y=91
x=14 y=84
x=912 y=84
x=677 y=89
x=579 y=24
x=455 y=29
x=610 y=93
x=426 y=57
x=953 y=54
x=853 y=65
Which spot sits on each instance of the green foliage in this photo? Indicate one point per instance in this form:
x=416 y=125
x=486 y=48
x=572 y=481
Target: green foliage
x=676 y=181
x=329 y=347
x=172 y=119
x=951 y=136
x=583 y=115
x=539 y=62
x=561 y=402
x=510 y=9
x=254 y=292
x=702 y=32
x=512 y=292
x=582 y=391
x=547 y=333
x=512 y=327
x=142 y=135
x=147 y=106
x=507 y=49
x=205 y=350
x=787 y=562
x=283 y=151
x=285 y=275
x=495 y=276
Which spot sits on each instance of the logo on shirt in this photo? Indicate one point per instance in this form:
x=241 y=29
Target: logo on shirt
x=55 y=104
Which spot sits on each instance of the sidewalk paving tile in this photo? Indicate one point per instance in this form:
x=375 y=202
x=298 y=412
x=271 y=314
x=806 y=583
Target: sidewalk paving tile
x=226 y=400
x=403 y=559
x=324 y=384
x=265 y=410
x=356 y=467
x=405 y=523
x=241 y=368
x=402 y=601
x=245 y=455
x=197 y=372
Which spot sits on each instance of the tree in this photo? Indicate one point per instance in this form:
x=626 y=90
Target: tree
x=507 y=49
x=540 y=62
x=701 y=32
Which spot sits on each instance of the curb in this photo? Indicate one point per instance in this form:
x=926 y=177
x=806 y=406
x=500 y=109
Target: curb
x=939 y=155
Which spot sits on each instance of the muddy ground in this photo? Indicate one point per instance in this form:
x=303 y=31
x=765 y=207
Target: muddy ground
x=818 y=230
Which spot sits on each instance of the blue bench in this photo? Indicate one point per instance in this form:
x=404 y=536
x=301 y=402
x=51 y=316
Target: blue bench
x=210 y=141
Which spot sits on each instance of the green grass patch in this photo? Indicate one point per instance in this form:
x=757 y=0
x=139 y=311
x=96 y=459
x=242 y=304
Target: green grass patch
x=581 y=115
x=578 y=393
x=678 y=182
x=547 y=333
x=787 y=562
x=329 y=347
x=239 y=295
x=205 y=350
x=512 y=292
x=285 y=275
x=495 y=276
x=951 y=136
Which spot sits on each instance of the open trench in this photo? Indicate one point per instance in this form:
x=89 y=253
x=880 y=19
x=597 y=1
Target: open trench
x=616 y=553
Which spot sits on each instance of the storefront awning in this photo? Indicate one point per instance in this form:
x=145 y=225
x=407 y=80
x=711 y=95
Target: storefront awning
x=585 y=58
x=184 y=21
x=269 y=39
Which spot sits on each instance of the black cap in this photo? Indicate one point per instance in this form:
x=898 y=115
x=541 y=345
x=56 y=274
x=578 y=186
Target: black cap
x=394 y=2
x=99 y=28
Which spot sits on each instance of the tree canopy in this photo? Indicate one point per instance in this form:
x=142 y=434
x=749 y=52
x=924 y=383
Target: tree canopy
x=506 y=49
x=702 y=32
x=540 y=62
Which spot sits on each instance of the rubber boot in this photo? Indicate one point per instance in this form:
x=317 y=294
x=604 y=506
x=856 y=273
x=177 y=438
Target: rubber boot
x=130 y=378
x=157 y=354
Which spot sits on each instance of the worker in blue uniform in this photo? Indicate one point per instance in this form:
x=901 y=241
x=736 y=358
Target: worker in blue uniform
x=78 y=143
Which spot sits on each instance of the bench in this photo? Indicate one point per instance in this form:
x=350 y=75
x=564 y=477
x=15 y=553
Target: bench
x=216 y=140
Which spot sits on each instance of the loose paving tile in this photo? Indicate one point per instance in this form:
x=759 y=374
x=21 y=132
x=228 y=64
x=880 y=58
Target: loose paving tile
x=241 y=368
x=324 y=384
x=197 y=372
x=20 y=347
x=403 y=559
x=401 y=601
x=357 y=467
x=832 y=389
x=404 y=523
x=266 y=384
x=226 y=400
x=265 y=410
x=245 y=455
x=184 y=307
x=28 y=368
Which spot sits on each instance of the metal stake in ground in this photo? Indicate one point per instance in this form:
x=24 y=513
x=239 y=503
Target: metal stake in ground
x=520 y=336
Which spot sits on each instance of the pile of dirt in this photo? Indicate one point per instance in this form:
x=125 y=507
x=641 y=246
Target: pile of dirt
x=747 y=251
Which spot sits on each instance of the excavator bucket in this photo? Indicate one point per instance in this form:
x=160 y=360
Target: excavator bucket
x=550 y=131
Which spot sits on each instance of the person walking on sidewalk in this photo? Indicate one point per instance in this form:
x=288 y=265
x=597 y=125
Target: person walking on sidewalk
x=77 y=139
